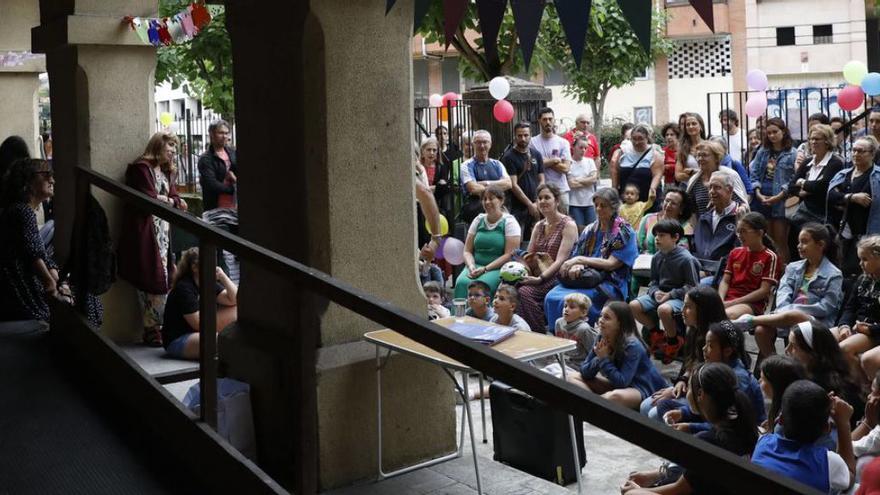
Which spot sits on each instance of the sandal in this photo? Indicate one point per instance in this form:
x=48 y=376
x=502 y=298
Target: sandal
x=153 y=336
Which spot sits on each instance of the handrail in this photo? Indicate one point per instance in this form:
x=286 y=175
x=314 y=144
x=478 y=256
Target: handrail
x=624 y=423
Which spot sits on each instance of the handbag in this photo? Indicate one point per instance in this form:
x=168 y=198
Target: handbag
x=588 y=278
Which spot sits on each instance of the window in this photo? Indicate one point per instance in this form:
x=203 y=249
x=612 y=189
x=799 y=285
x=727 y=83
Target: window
x=643 y=115
x=822 y=34
x=784 y=36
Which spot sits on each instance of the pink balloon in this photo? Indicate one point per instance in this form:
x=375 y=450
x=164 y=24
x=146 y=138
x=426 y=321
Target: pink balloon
x=756 y=105
x=435 y=100
x=850 y=98
x=757 y=79
x=453 y=251
x=503 y=111
x=451 y=98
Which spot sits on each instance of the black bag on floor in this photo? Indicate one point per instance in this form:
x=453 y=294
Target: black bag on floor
x=533 y=437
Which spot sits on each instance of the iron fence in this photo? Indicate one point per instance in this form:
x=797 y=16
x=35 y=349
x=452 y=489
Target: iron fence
x=192 y=130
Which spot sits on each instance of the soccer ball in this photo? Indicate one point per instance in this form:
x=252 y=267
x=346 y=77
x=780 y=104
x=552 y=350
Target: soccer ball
x=513 y=271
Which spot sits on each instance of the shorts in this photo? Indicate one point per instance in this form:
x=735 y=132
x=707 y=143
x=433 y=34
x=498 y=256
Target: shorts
x=176 y=346
x=649 y=305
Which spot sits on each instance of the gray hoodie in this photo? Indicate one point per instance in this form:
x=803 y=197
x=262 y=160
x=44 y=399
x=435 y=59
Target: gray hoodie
x=674 y=272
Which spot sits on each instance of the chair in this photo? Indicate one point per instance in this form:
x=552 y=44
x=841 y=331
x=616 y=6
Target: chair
x=715 y=268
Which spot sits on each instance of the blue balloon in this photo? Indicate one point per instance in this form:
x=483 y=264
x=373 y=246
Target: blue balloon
x=871 y=84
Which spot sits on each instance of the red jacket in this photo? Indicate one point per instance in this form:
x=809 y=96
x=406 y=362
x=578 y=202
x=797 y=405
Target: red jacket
x=138 y=254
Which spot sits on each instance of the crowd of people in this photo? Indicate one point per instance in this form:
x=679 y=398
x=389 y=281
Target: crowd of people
x=792 y=230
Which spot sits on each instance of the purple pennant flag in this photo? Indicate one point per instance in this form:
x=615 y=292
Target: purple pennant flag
x=389 y=4
x=575 y=18
x=638 y=14
x=527 y=17
x=453 y=13
x=491 y=14
x=419 y=12
x=704 y=8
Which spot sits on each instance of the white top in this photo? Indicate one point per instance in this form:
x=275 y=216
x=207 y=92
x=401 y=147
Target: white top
x=734 y=144
x=511 y=227
x=516 y=322
x=868 y=444
x=553 y=147
x=717 y=218
x=838 y=472
x=816 y=168
x=581 y=196
x=691 y=162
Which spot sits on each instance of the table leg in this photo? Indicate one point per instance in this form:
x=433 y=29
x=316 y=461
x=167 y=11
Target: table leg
x=572 y=434
x=467 y=410
x=483 y=407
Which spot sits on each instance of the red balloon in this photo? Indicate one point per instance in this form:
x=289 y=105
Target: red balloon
x=450 y=97
x=850 y=98
x=503 y=111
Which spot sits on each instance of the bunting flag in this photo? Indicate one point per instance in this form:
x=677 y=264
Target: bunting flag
x=704 y=9
x=453 y=14
x=575 y=18
x=527 y=17
x=17 y=59
x=179 y=28
x=389 y=4
x=419 y=12
x=638 y=14
x=491 y=14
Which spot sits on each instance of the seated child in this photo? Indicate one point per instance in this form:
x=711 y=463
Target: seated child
x=632 y=209
x=752 y=269
x=777 y=373
x=434 y=296
x=478 y=293
x=674 y=271
x=430 y=272
x=573 y=326
x=866 y=436
x=628 y=375
x=505 y=303
x=795 y=453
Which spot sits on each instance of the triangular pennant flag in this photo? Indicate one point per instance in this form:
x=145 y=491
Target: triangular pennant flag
x=200 y=15
x=164 y=34
x=187 y=21
x=175 y=28
x=575 y=18
x=140 y=27
x=527 y=17
x=704 y=8
x=419 y=12
x=491 y=14
x=638 y=14
x=153 y=33
x=453 y=13
x=389 y=4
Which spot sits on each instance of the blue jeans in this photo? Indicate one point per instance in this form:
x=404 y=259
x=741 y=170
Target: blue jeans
x=582 y=215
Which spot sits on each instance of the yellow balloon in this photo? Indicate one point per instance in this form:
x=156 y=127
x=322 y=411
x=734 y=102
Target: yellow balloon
x=166 y=119
x=444 y=226
x=854 y=71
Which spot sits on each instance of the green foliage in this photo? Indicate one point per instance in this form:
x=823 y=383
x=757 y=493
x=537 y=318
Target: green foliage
x=203 y=65
x=473 y=62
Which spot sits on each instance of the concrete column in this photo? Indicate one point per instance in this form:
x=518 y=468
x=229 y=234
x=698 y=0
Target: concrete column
x=326 y=178
x=661 y=90
x=19 y=85
x=101 y=84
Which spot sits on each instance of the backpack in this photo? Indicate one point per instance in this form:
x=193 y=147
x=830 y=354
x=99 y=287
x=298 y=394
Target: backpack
x=100 y=257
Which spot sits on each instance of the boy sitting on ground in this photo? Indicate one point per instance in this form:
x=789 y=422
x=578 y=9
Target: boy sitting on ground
x=573 y=326
x=434 y=296
x=796 y=454
x=478 y=300
x=674 y=271
x=505 y=303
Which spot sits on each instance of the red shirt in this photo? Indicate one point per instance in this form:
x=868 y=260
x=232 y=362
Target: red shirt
x=748 y=269
x=669 y=158
x=592 y=143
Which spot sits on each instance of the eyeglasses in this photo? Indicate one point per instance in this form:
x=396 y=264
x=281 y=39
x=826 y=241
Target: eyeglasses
x=860 y=150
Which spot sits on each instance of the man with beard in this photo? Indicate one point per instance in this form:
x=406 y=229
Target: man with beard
x=556 y=153
x=526 y=169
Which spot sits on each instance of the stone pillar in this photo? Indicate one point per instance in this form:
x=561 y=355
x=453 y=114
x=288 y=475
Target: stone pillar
x=19 y=84
x=101 y=84
x=525 y=96
x=326 y=178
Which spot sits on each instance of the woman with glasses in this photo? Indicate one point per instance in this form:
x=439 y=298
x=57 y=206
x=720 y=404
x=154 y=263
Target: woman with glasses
x=144 y=241
x=28 y=275
x=850 y=206
x=709 y=155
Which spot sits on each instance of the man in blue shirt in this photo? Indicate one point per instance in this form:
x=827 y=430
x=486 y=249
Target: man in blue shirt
x=479 y=173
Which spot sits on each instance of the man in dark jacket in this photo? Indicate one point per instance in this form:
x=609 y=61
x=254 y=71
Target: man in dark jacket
x=715 y=233
x=217 y=169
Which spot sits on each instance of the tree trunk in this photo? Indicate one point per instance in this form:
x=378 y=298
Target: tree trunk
x=598 y=108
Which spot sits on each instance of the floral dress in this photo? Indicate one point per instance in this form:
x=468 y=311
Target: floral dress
x=153 y=305
x=22 y=295
x=531 y=297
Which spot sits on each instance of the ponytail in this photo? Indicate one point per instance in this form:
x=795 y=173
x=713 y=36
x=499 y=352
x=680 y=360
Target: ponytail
x=825 y=234
x=768 y=242
x=740 y=425
x=732 y=416
x=757 y=221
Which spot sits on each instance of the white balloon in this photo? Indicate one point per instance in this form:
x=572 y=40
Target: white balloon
x=499 y=88
x=435 y=100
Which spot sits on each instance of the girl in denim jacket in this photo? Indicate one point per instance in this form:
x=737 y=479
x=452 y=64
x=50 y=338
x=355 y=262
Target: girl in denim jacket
x=770 y=173
x=810 y=289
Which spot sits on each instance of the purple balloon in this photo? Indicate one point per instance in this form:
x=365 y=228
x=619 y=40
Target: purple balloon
x=453 y=251
x=757 y=80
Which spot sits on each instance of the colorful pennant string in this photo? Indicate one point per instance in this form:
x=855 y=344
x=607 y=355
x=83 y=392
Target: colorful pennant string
x=179 y=28
x=17 y=59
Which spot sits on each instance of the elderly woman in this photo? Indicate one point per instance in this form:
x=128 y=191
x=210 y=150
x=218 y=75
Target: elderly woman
x=607 y=246
x=810 y=183
x=490 y=242
x=771 y=171
x=641 y=166
x=850 y=203
x=27 y=273
x=438 y=173
x=709 y=157
x=694 y=131
x=675 y=207
x=552 y=239
x=144 y=241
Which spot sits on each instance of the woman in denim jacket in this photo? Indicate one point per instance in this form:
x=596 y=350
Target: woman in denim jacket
x=770 y=173
x=810 y=289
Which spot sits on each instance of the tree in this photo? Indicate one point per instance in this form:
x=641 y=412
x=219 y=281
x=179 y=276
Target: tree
x=203 y=66
x=473 y=62
x=612 y=56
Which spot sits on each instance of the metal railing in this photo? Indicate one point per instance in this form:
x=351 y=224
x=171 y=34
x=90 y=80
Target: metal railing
x=685 y=449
